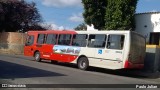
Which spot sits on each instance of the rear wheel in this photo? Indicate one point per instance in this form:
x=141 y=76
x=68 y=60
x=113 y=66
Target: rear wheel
x=83 y=63
x=37 y=56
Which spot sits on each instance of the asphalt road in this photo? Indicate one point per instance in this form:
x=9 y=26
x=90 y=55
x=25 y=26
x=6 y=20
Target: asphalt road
x=24 y=70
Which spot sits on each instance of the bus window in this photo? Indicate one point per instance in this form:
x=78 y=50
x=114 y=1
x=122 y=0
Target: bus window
x=97 y=41
x=115 y=42
x=51 y=39
x=30 y=40
x=80 y=40
x=64 y=39
x=41 y=38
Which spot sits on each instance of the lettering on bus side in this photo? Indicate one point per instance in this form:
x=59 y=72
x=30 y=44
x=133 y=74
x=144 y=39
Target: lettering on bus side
x=119 y=52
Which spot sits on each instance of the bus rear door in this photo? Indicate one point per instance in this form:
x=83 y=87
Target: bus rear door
x=112 y=55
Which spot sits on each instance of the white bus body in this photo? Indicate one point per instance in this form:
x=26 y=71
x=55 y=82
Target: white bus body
x=131 y=55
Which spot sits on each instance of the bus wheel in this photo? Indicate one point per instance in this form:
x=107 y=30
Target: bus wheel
x=37 y=56
x=83 y=63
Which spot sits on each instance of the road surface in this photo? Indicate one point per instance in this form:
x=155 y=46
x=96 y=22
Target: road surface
x=16 y=69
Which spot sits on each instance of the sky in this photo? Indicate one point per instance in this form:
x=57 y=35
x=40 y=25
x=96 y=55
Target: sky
x=67 y=14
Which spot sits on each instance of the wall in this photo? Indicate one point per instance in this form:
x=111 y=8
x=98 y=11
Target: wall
x=152 y=59
x=12 y=42
x=147 y=22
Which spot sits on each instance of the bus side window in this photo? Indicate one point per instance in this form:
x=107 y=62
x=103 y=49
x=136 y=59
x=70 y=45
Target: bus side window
x=115 y=42
x=97 y=41
x=100 y=41
x=30 y=40
x=41 y=38
x=79 y=40
x=64 y=39
x=51 y=39
x=91 y=40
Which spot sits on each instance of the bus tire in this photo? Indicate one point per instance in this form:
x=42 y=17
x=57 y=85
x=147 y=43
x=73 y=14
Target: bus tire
x=37 y=56
x=83 y=63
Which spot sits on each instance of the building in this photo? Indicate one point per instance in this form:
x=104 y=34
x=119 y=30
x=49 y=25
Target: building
x=148 y=24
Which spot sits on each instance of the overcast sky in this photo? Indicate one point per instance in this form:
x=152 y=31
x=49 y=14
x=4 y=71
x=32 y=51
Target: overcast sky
x=67 y=14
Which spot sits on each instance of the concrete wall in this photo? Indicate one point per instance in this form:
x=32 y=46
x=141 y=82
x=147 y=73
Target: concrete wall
x=147 y=22
x=12 y=42
x=152 y=60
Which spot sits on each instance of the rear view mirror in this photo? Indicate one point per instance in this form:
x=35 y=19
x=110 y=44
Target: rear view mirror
x=26 y=44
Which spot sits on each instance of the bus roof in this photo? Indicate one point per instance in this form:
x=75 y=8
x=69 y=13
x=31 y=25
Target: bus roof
x=103 y=32
x=54 y=31
x=83 y=32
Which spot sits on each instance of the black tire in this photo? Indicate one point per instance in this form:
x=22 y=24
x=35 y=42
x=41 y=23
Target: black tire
x=83 y=63
x=37 y=56
x=54 y=62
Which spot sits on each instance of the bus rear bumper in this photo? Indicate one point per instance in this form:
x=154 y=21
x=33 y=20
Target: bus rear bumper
x=129 y=65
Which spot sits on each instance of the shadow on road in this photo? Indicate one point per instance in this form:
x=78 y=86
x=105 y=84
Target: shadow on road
x=12 y=71
x=121 y=72
x=134 y=73
x=27 y=72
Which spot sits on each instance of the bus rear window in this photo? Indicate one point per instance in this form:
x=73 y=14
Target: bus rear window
x=30 y=40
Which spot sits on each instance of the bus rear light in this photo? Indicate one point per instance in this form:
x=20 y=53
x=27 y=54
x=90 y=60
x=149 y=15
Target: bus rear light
x=126 y=65
x=131 y=65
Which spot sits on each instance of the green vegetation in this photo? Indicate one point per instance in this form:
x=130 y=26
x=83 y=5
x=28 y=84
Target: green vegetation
x=81 y=27
x=110 y=14
x=19 y=15
x=94 y=12
x=120 y=14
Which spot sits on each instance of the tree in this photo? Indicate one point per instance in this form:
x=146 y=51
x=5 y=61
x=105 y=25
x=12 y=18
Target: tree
x=81 y=27
x=120 y=14
x=18 y=15
x=94 y=12
x=40 y=26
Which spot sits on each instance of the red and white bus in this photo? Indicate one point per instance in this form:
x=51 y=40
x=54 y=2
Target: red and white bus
x=105 y=49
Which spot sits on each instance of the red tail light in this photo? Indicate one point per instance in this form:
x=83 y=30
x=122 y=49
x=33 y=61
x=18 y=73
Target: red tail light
x=126 y=65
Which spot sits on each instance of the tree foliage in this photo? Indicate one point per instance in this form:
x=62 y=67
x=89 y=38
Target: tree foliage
x=18 y=15
x=120 y=14
x=81 y=27
x=110 y=14
x=94 y=12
